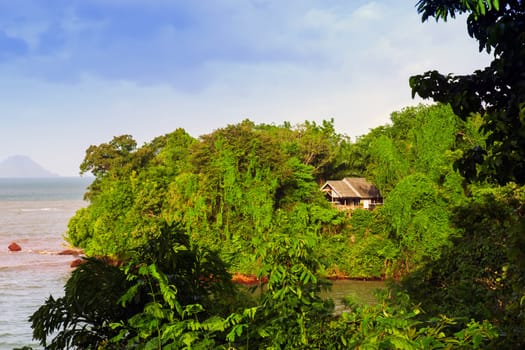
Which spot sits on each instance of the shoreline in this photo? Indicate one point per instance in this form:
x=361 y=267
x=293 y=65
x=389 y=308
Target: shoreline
x=250 y=280
x=237 y=277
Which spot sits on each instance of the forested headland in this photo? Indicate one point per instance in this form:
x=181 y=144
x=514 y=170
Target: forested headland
x=170 y=221
x=236 y=189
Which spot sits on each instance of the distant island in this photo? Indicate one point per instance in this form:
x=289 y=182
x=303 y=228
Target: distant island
x=23 y=166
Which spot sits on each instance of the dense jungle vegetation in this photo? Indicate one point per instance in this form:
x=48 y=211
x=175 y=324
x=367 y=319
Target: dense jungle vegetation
x=237 y=188
x=168 y=222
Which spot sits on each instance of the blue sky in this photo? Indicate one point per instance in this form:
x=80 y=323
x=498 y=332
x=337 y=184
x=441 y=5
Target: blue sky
x=77 y=73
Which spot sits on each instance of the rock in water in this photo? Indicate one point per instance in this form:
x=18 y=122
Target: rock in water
x=76 y=263
x=14 y=247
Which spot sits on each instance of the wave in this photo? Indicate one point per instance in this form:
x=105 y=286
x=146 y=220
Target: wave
x=38 y=209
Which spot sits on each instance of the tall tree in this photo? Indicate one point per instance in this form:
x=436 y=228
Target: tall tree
x=496 y=92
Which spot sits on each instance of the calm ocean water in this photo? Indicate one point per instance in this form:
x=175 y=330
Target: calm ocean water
x=34 y=213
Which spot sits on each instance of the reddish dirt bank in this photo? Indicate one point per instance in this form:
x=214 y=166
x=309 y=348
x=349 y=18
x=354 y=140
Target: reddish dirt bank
x=247 y=279
x=252 y=279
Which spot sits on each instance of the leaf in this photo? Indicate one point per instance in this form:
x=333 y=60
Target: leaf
x=189 y=338
x=235 y=332
x=250 y=312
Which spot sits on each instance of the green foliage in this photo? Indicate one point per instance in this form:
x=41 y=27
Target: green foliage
x=248 y=195
x=418 y=219
x=231 y=189
x=226 y=189
x=421 y=139
x=495 y=92
x=478 y=276
x=369 y=257
x=435 y=134
x=127 y=198
x=109 y=157
x=388 y=164
x=176 y=295
x=362 y=249
x=223 y=189
x=481 y=275
x=177 y=208
x=166 y=320
x=396 y=323
x=320 y=147
x=290 y=308
x=411 y=162
x=171 y=294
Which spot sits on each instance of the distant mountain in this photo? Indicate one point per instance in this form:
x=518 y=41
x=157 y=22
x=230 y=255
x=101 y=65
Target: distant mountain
x=22 y=166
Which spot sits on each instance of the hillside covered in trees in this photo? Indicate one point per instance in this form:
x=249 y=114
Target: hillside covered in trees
x=239 y=187
x=169 y=222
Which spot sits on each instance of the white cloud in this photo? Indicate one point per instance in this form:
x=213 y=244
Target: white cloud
x=371 y=11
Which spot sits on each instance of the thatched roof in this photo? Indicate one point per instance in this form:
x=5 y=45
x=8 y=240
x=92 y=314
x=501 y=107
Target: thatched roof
x=351 y=187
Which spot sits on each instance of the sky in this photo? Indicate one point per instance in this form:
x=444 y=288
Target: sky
x=77 y=73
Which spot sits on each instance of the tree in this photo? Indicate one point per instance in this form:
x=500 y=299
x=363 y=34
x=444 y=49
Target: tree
x=388 y=165
x=425 y=139
x=101 y=159
x=320 y=147
x=129 y=193
x=496 y=92
x=418 y=221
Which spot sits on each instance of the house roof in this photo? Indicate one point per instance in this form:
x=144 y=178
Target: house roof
x=351 y=187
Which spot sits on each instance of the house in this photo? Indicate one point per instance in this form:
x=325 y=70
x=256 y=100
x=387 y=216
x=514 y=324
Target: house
x=352 y=192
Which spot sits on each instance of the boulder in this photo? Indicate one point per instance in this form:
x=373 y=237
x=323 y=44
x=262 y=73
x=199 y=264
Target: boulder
x=14 y=247
x=76 y=262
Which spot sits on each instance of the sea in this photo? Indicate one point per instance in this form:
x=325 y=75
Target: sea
x=34 y=213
